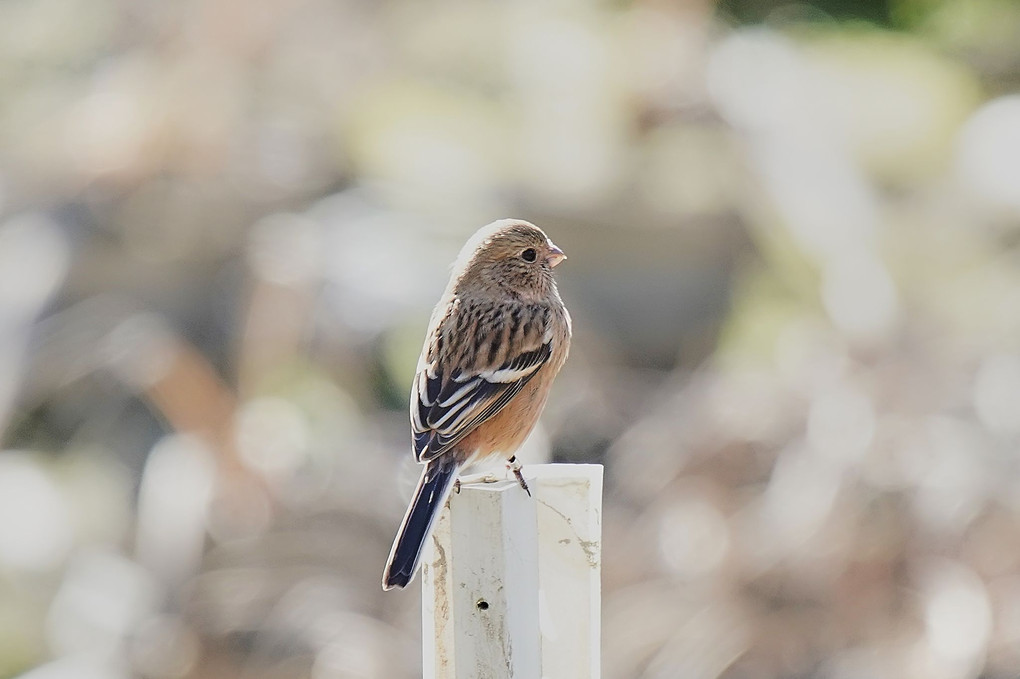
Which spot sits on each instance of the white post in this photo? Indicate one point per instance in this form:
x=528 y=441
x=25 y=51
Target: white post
x=511 y=583
x=569 y=499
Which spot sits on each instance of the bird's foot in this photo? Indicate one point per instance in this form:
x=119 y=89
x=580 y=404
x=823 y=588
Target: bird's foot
x=473 y=478
x=514 y=465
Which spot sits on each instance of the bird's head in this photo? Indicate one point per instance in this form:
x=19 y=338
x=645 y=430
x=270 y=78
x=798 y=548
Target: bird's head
x=510 y=255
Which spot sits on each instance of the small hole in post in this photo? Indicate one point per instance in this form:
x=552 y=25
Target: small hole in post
x=482 y=605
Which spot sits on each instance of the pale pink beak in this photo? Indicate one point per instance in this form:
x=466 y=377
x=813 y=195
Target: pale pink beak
x=555 y=255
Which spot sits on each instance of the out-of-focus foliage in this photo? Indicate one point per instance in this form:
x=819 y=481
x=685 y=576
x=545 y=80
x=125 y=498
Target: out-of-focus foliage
x=794 y=240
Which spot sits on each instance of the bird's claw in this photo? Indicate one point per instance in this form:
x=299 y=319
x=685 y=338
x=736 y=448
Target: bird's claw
x=462 y=481
x=514 y=465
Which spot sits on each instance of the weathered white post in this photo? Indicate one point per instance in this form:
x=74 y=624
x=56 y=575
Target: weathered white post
x=511 y=583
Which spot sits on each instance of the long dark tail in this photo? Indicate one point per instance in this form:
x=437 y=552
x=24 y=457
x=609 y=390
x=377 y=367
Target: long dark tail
x=429 y=497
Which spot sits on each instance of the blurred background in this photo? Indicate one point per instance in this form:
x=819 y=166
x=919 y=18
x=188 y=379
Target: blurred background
x=794 y=240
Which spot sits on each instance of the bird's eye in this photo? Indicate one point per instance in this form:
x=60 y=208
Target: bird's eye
x=529 y=255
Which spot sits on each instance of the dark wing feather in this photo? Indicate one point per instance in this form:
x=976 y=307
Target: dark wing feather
x=446 y=408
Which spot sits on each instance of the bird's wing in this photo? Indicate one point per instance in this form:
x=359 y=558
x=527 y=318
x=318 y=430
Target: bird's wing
x=447 y=407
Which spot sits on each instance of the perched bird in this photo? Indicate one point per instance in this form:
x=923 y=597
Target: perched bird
x=497 y=338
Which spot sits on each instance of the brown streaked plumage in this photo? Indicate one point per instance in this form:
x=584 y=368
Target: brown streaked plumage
x=497 y=339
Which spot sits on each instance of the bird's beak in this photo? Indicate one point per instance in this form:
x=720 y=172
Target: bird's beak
x=555 y=255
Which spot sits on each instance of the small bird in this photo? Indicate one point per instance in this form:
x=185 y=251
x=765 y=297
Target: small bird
x=496 y=340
